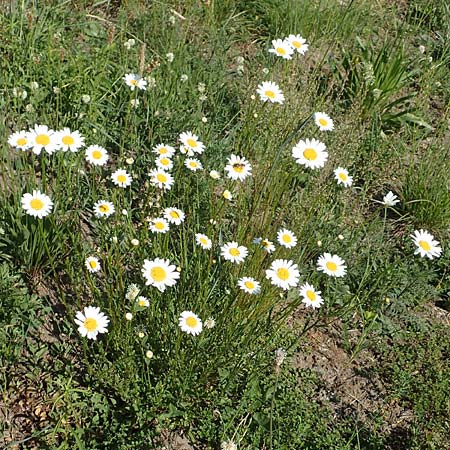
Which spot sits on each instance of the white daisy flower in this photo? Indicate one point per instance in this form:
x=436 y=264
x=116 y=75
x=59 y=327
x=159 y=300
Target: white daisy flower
x=282 y=48
x=390 y=199
x=174 y=215
x=161 y=179
x=249 y=285
x=238 y=168
x=91 y=322
x=298 y=43
x=186 y=151
x=193 y=164
x=214 y=175
x=142 y=302
x=283 y=273
x=203 y=240
x=286 y=238
x=191 y=141
x=96 y=155
x=19 y=140
x=426 y=244
x=133 y=80
x=190 y=323
x=332 y=265
x=310 y=153
x=267 y=245
x=121 y=178
x=234 y=252
x=103 y=208
x=159 y=225
x=160 y=273
x=227 y=195
x=323 y=121
x=92 y=264
x=164 y=150
x=311 y=297
x=69 y=140
x=37 y=204
x=41 y=137
x=342 y=177
x=269 y=91
x=164 y=162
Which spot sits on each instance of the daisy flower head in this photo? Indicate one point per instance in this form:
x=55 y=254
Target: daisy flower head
x=159 y=225
x=286 y=238
x=159 y=273
x=186 y=151
x=390 y=199
x=190 y=323
x=164 y=150
x=134 y=81
x=41 y=137
x=102 y=208
x=193 y=164
x=37 y=204
x=283 y=273
x=332 y=265
x=192 y=142
x=203 y=241
x=426 y=244
x=142 y=302
x=227 y=195
x=234 y=252
x=164 y=162
x=311 y=297
x=238 y=168
x=323 y=121
x=249 y=285
x=19 y=140
x=310 y=153
x=267 y=245
x=342 y=177
x=96 y=155
x=92 y=264
x=282 y=48
x=269 y=91
x=69 y=140
x=298 y=43
x=91 y=322
x=174 y=215
x=214 y=175
x=161 y=179
x=121 y=178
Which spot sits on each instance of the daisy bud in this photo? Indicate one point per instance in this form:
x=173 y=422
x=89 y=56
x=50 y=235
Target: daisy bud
x=135 y=242
x=128 y=316
x=149 y=354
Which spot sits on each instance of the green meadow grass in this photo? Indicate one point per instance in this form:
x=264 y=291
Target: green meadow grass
x=388 y=98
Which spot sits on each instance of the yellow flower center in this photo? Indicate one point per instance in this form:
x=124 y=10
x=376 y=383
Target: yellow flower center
x=159 y=225
x=192 y=142
x=323 y=122
x=93 y=264
x=265 y=243
x=193 y=164
x=281 y=51
x=142 y=302
x=234 y=252
x=97 y=154
x=103 y=208
x=203 y=241
x=283 y=273
x=297 y=44
x=21 y=141
x=249 y=285
x=158 y=274
x=238 y=167
x=165 y=161
x=425 y=245
x=121 y=178
x=331 y=266
x=42 y=139
x=163 y=151
x=174 y=215
x=191 y=322
x=270 y=94
x=90 y=324
x=310 y=154
x=161 y=178
x=342 y=176
x=133 y=82
x=286 y=238
x=37 y=204
x=311 y=295
x=68 y=140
